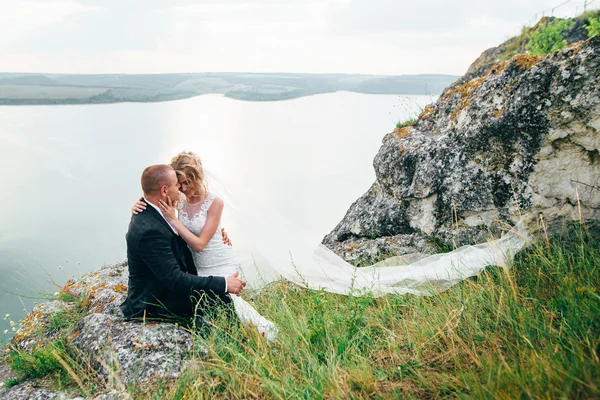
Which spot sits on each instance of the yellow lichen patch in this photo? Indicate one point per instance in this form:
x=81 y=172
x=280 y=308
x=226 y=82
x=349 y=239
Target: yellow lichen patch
x=33 y=326
x=428 y=112
x=351 y=247
x=524 y=61
x=120 y=288
x=574 y=47
x=466 y=92
x=70 y=283
x=498 y=68
x=93 y=292
x=141 y=346
x=401 y=132
x=497 y=113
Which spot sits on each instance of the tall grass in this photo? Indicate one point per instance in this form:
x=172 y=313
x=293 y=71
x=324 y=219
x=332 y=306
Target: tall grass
x=531 y=330
x=407 y=122
x=528 y=331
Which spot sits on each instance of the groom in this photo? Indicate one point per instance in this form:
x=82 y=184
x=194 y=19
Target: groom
x=162 y=277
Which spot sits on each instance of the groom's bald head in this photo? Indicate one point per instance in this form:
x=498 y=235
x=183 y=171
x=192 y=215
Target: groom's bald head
x=156 y=176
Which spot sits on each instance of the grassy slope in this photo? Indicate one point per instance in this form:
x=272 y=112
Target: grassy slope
x=531 y=331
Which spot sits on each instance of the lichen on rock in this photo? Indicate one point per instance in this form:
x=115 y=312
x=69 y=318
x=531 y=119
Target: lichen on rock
x=521 y=141
x=136 y=351
x=37 y=330
x=121 y=352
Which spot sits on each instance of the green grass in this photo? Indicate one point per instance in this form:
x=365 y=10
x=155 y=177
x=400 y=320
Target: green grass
x=585 y=17
x=531 y=331
x=593 y=26
x=56 y=361
x=408 y=122
x=548 y=37
x=39 y=363
x=528 y=331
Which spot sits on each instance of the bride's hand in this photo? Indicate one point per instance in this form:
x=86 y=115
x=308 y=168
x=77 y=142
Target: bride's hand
x=168 y=209
x=138 y=207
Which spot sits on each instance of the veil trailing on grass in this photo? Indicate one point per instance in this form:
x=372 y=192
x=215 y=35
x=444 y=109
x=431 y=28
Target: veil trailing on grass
x=274 y=249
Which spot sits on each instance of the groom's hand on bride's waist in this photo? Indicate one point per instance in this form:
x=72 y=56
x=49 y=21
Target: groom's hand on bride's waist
x=234 y=284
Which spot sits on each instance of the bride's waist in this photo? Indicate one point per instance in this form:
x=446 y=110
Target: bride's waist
x=212 y=250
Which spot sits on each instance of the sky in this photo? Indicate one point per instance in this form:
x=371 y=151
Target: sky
x=388 y=37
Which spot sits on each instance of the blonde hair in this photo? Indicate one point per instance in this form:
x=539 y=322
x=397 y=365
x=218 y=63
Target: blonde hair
x=189 y=166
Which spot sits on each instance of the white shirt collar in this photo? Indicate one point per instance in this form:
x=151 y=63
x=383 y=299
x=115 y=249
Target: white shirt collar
x=161 y=214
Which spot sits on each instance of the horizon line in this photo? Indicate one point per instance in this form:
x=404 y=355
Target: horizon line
x=224 y=72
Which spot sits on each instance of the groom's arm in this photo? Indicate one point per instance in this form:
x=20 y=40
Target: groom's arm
x=156 y=252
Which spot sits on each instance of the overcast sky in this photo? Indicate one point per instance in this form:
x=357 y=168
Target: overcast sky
x=348 y=36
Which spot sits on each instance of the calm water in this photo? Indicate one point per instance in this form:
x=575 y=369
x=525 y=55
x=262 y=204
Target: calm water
x=71 y=173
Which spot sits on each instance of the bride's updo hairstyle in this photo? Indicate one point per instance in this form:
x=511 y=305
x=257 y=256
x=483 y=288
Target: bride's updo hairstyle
x=189 y=166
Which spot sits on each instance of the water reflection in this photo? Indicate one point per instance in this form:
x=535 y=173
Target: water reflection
x=72 y=172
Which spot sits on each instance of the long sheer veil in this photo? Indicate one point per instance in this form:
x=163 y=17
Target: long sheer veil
x=271 y=248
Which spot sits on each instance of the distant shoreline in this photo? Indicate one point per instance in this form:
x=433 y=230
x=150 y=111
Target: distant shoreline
x=78 y=102
x=63 y=89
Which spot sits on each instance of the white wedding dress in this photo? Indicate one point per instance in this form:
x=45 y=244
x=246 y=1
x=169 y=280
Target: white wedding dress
x=219 y=259
x=282 y=250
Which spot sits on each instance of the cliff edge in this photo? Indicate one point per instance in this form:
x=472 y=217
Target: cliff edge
x=521 y=141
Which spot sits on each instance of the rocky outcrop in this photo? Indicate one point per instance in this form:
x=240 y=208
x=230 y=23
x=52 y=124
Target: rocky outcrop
x=518 y=45
x=31 y=392
x=519 y=142
x=89 y=322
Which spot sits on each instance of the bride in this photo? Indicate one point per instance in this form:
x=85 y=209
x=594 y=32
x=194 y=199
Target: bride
x=198 y=222
x=319 y=268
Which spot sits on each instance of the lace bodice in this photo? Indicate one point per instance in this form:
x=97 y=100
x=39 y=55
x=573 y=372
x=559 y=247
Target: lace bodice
x=217 y=258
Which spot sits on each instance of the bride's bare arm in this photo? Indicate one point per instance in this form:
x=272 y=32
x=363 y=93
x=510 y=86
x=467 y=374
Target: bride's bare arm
x=138 y=206
x=197 y=243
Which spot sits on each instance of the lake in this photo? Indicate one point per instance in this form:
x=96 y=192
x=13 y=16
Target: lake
x=73 y=172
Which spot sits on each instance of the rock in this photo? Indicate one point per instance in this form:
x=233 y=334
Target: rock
x=42 y=325
x=24 y=391
x=105 y=289
x=92 y=325
x=133 y=351
x=368 y=251
x=28 y=391
x=518 y=45
x=113 y=395
x=102 y=291
x=6 y=374
x=519 y=142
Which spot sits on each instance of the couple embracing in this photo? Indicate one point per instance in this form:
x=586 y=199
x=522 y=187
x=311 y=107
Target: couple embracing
x=182 y=263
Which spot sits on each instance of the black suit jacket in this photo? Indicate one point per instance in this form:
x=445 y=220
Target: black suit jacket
x=162 y=272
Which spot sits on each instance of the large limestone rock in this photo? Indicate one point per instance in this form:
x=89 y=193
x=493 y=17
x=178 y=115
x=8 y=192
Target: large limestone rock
x=29 y=391
x=133 y=351
x=519 y=142
x=122 y=352
x=42 y=325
